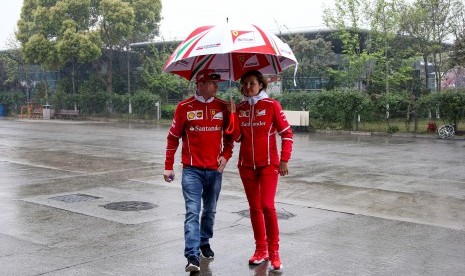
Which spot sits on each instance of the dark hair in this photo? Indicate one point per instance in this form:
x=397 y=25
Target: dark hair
x=261 y=79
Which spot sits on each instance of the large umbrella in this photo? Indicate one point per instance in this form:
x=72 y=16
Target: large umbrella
x=230 y=50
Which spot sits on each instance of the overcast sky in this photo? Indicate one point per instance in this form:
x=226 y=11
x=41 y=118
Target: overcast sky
x=180 y=17
x=9 y=15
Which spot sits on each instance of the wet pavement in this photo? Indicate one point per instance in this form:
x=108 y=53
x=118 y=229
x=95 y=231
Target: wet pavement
x=88 y=198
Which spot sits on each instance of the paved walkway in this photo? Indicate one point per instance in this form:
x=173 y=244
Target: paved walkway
x=87 y=198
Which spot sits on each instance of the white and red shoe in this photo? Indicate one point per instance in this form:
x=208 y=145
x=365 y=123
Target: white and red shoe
x=275 y=261
x=259 y=257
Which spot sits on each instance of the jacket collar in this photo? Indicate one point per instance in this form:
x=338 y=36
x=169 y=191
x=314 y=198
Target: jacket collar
x=254 y=99
x=202 y=99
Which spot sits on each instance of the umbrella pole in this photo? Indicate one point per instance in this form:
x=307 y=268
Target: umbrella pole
x=230 y=128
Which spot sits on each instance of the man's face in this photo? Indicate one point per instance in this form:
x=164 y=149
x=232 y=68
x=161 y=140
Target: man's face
x=207 y=89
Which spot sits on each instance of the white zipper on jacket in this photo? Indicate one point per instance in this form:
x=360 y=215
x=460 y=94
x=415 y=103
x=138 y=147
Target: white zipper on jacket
x=252 y=115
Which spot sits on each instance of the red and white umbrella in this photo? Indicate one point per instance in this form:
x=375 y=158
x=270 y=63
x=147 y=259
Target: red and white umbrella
x=230 y=50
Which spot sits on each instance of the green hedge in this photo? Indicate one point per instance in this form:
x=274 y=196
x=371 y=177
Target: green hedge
x=334 y=109
x=448 y=104
x=12 y=100
x=341 y=108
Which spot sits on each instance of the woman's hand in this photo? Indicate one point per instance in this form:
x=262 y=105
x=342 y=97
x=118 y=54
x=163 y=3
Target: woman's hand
x=283 y=170
x=232 y=107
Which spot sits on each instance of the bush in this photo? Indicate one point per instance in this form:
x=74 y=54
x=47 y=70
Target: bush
x=62 y=100
x=340 y=107
x=92 y=101
x=394 y=103
x=167 y=111
x=450 y=104
x=144 y=103
x=120 y=103
x=298 y=100
x=12 y=100
x=393 y=129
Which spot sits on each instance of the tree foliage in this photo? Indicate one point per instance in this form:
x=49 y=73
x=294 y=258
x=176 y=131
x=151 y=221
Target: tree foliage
x=372 y=59
x=168 y=86
x=450 y=104
x=315 y=58
x=347 y=18
x=429 y=23
x=56 y=33
x=457 y=55
x=334 y=109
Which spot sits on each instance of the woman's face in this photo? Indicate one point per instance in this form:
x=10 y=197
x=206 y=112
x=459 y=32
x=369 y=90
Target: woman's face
x=251 y=86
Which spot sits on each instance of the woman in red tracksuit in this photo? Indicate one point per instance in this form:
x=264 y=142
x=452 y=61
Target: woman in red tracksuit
x=257 y=121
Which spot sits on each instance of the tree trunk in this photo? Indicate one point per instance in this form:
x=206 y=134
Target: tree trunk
x=425 y=61
x=73 y=81
x=110 y=81
x=129 y=79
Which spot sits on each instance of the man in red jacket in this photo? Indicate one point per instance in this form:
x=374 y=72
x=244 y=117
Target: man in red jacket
x=200 y=121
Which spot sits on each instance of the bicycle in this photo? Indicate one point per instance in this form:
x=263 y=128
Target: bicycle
x=446 y=132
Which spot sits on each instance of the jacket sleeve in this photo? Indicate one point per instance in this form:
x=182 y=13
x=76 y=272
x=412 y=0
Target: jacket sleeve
x=174 y=134
x=284 y=130
x=236 y=134
x=228 y=142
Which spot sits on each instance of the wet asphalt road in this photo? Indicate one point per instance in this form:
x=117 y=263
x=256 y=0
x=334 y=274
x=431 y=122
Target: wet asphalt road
x=352 y=204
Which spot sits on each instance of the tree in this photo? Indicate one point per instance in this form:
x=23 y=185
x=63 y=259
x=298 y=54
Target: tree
x=10 y=63
x=122 y=22
x=458 y=50
x=166 y=85
x=429 y=23
x=347 y=17
x=116 y=26
x=441 y=14
x=314 y=56
x=384 y=17
x=46 y=29
x=147 y=16
x=37 y=35
x=55 y=33
x=414 y=27
x=15 y=73
x=76 y=43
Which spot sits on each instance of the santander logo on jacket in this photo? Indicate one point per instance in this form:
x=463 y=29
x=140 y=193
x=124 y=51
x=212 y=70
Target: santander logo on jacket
x=258 y=120
x=200 y=123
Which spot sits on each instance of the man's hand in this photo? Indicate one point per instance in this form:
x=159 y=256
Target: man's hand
x=283 y=168
x=168 y=175
x=221 y=164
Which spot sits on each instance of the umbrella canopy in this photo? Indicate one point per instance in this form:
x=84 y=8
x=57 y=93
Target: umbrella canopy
x=230 y=50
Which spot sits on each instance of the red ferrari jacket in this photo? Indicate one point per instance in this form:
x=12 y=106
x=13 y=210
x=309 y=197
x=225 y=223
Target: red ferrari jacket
x=256 y=125
x=201 y=126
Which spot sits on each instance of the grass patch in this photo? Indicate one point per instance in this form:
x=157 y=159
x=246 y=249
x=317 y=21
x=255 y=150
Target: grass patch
x=400 y=125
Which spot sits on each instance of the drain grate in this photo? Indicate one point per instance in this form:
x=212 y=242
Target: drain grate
x=74 y=198
x=130 y=206
x=281 y=214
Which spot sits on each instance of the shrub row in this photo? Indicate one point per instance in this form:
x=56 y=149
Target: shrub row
x=334 y=109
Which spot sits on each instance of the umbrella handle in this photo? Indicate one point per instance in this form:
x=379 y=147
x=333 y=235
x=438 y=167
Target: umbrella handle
x=230 y=128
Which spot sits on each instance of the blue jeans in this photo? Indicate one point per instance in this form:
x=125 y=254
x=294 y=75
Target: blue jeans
x=199 y=186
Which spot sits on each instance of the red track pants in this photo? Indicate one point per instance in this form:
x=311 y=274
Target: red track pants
x=260 y=188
